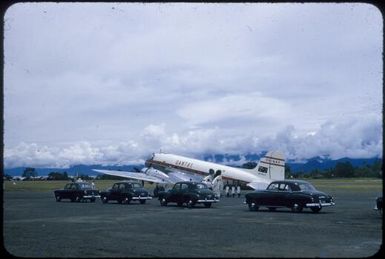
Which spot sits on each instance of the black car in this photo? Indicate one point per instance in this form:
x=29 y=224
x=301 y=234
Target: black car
x=190 y=193
x=125 y=192
x=294 y=194
x=378 y=205
x=79 y=191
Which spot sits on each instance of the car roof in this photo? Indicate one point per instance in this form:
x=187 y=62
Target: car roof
x=290 y=181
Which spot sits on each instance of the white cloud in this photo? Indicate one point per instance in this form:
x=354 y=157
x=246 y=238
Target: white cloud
x=131 y=78
x=347 y=138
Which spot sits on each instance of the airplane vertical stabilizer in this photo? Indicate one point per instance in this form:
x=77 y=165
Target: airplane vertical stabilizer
x=271 y=166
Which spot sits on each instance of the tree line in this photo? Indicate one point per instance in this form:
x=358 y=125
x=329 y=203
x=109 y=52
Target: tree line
x=341 y=170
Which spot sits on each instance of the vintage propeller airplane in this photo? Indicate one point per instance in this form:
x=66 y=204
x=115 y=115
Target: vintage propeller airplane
x=163 y=168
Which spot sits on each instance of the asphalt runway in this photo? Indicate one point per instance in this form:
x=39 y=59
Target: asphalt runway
x=35 y=225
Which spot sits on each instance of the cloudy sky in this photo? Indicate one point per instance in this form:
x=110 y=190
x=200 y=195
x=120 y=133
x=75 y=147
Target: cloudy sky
x=113 y=82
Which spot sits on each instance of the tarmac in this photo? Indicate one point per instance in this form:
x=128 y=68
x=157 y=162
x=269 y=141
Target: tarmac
x=35 y=225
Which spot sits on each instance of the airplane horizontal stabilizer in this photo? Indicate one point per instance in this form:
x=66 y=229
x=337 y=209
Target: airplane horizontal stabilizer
x=258 y=185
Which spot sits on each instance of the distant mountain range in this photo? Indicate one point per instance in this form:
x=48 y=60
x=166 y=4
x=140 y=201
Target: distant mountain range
x=232 y=160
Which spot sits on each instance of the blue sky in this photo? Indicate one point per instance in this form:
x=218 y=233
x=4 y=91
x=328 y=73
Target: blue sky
x=113 y=82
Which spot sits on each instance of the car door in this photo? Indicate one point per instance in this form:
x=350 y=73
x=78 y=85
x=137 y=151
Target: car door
x=184 y=193
x=282 y=196
x=174 y=193
x=270 y=196
x=115 y=192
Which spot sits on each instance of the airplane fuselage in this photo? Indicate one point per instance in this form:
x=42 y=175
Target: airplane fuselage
x=190 y=165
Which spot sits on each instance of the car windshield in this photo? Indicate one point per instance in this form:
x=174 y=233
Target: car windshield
x=306 y=187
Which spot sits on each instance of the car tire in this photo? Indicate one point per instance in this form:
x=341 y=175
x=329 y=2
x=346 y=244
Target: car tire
x=208 y=205
x=253 y=207
x=104 y=199
x=190 y=203
x=316 y=209
x=58 y=198
x=163 y=202
x=297 y=207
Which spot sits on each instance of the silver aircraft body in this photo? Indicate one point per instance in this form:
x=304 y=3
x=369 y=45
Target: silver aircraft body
x=169 y=168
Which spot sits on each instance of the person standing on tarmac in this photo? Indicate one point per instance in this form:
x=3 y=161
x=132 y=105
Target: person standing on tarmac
x=238 y=191
x=227 y=190
x=233 y=190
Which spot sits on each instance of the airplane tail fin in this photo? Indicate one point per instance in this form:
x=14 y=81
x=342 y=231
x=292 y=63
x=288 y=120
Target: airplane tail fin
x=271 y=166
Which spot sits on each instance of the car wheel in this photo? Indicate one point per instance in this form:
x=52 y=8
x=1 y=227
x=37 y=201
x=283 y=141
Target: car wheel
x=104 y=199
x=253 y=206
x=93 y=199
x=58 y=198
x=297 y=207
x=190 y=203
x=316 y=209
x=207 y=205
x=163 y=202
x=77 y=199
x=179 y=204
x=142 y=201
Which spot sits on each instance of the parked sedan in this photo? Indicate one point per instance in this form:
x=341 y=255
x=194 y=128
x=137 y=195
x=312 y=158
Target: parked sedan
x=125 y=192
x=190 y=193
x=79 y=191
x=294 y=194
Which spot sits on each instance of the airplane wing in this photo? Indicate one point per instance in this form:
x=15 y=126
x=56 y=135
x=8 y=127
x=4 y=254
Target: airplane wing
x=179 y=176
x=132 y=175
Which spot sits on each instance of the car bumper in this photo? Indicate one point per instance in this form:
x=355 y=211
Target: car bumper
x=91 y=196
x=207 y=201
x=319 y=204
x=142 y=198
